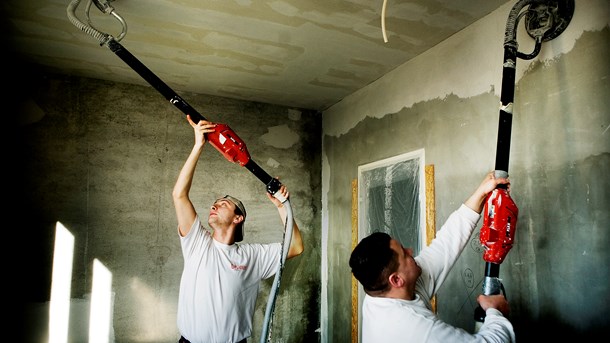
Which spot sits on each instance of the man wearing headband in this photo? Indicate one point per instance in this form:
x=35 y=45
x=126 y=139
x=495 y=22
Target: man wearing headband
x=220 y=280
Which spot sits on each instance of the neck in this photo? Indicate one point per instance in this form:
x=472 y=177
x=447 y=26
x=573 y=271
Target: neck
x=398 y=293
x=223 y=236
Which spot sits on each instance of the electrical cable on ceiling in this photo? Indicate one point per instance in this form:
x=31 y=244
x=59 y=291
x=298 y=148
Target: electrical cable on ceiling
x=385 y=37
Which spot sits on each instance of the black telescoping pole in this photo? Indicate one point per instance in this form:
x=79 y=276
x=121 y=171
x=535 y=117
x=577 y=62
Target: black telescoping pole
x=154 y=81
x=491 y=283
x=504 y=128
x=272 y=184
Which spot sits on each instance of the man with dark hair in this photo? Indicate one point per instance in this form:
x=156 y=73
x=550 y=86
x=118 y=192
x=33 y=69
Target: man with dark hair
x=399 y=286
x=221 y=279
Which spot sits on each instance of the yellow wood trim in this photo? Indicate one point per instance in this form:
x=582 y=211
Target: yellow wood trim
x=430 y=214
x=354 y=243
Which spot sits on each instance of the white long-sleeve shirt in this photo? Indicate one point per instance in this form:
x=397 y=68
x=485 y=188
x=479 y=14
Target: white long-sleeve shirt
x=397 y=320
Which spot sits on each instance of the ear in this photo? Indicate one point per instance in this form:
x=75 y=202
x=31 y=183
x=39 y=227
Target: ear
x=238 y=219
x=396 y=281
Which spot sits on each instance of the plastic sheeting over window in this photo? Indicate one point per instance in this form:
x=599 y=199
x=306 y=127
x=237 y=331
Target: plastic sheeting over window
x=390 y=200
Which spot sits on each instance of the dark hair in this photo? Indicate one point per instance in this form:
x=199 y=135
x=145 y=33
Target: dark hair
x=239 y=229
x=372 y=261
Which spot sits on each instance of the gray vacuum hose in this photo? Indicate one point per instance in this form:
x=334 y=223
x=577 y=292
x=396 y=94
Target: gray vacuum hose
x=266 y=333
x=102 y=37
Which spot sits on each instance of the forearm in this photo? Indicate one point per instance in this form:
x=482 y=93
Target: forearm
x=497 y=328
x=489 y=183
x=185 y=178
x=185 y=211
x=476 y=200
x=296 y=242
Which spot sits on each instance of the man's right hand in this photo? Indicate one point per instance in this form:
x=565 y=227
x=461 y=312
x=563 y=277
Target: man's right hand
x=497 y=301
x=201 y=128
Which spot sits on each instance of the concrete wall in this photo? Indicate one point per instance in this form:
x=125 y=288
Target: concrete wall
x=446 y=102
x=102 y=158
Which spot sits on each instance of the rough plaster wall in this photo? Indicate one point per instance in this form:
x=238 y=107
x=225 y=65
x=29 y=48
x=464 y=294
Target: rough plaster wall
x=555 y=276
x=103 y=157
x=472 y=59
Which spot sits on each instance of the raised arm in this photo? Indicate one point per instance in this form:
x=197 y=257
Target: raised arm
x=296 y=244
x=185 y=211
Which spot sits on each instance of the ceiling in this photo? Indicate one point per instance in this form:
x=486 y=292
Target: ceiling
x=296 y=53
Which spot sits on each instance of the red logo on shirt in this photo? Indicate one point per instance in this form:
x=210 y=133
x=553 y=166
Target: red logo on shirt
x=236 y=267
